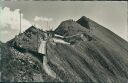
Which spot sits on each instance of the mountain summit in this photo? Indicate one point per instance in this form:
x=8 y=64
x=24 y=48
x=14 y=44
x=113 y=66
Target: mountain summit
x=83 y=21
x=70 y=28
x=88 y=52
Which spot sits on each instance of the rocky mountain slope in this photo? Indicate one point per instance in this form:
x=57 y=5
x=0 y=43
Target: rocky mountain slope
x=0 y=59
x=29 y=39
x=94 y=55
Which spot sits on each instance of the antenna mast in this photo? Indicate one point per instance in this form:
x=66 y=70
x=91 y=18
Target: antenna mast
x=47 y=24
x=20 y=22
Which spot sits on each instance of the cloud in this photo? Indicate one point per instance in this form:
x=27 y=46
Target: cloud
x=43 y=22
x=10 y=23
x=11 y=19
x=37 y=18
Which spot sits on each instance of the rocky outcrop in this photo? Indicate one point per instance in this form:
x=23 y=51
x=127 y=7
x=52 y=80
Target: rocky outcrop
x=30 y=39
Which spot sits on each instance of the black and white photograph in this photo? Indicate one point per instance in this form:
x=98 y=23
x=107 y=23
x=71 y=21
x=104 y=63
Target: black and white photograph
x=64 y=41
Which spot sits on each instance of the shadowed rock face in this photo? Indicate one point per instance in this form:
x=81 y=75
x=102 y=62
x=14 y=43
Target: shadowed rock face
x=83 y=21
x=94 y=55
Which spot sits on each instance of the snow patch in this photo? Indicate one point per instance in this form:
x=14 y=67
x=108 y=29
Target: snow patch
x=59 y=36
x=60 y=41
x=47 y=68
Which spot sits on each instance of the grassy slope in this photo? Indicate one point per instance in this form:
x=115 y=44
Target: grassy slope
x=94 y=61
x=102 y=60
x=107 y=36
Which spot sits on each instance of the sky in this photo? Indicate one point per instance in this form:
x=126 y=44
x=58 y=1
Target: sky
x=110 y=14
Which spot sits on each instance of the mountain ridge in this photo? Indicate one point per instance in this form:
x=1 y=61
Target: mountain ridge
x=95 y=54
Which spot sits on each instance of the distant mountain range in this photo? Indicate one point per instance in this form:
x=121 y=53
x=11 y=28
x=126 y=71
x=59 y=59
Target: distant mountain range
x=92 y=54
